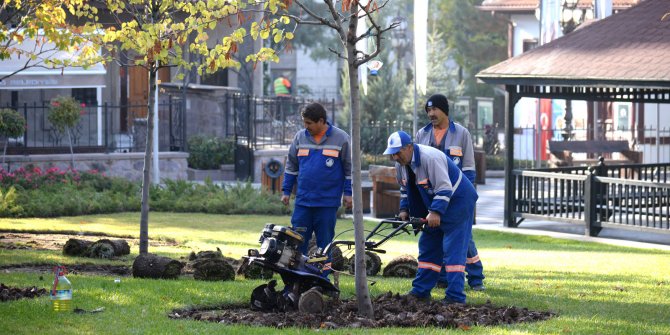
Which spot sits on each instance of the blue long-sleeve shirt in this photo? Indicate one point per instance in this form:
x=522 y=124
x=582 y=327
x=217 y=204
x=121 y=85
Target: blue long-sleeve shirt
x=456 y=143
x=322 y=170
x=436 y=181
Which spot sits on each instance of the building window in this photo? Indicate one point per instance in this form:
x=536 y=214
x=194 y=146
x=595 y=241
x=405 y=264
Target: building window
x=218 y=78
x=86 y=95
x=529 y=44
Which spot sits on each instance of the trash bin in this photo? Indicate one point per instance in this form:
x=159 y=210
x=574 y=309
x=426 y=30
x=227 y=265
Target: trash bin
x=480 y=167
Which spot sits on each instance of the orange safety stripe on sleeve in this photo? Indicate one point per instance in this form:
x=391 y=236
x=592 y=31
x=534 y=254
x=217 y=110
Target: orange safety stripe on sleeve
x=331 y=153
x=429 y=266
x=472 y=260
x=455 y=268
x=422 y=182
x=303 y=152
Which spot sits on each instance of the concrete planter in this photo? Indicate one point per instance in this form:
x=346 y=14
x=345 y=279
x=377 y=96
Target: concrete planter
x=225 y=173
x=228 y=171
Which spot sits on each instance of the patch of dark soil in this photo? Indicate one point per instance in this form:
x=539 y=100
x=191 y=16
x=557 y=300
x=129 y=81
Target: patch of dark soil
x=55 y=241
x=8 y=293
x=391 y=310
x=95 y=269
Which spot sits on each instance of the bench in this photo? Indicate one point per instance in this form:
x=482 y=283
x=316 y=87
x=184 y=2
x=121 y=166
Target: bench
x=561 y=152
x=385 y=191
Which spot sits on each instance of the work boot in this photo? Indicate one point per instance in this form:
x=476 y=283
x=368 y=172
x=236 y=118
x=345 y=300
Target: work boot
x=479 y=288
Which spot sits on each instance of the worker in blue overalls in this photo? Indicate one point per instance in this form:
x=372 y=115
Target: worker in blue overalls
x=455 y=141
x=432 y=186
x=319 y=160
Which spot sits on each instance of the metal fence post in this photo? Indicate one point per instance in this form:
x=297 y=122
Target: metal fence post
x=590 y=204
x=25 y=134
x=107 y=126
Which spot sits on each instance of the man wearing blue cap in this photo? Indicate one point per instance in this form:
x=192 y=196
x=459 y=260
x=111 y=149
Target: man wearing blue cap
x=433 y=187
x=455 y=141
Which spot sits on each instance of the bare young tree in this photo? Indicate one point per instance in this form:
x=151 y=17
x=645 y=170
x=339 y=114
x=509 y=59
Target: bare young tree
x=343 y=18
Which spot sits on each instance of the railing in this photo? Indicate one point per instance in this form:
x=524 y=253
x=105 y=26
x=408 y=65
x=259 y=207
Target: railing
x=634 y=196
x=104 y=128
x=653 y=141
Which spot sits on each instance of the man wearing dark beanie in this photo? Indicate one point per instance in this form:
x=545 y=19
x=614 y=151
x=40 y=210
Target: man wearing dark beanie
x=455 y=141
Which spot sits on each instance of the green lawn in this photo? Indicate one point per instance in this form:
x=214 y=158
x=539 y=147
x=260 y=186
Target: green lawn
x=594 y=288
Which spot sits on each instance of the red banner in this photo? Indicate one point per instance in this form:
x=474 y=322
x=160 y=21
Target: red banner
x=545 y=127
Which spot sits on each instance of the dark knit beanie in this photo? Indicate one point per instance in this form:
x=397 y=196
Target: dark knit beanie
x=439 y=101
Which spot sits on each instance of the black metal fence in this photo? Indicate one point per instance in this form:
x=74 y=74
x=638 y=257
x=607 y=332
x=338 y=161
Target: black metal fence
x=635 y=196
x=104 y=128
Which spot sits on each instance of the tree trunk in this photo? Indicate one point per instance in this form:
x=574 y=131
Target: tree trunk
x=146 y=172
x=76 y=247
x=4 y=153
x=69 y=138
x=362 y=291
x=152 y=266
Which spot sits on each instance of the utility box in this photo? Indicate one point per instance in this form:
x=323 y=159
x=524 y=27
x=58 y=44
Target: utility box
x=272 y=176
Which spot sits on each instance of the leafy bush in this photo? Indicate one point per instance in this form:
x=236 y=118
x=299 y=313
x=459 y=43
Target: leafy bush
x=495 y=162
x=12 y=123
x=65 y=112
x=55 y=192
x=240 y=198
x=209 y=152
x=8 y=206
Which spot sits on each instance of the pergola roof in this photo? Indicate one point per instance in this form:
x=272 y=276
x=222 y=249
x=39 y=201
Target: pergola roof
x=625 y=57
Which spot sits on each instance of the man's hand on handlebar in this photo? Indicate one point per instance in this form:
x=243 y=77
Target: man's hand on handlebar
x=403 y=216
x=433 y=219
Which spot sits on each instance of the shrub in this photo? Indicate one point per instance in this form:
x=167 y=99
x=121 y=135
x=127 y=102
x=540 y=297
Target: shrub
x=12 y=123
x=64 y=115
x=8 y=205
x=209 y=152
x=54 y=192
x=495 y=162
x=65 y=112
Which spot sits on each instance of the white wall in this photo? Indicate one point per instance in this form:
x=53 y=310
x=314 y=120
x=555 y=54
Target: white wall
x=321 y=76
x=526 y=27
x=657 y=126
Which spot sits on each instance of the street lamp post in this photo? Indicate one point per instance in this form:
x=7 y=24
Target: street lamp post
x=399 y=39
x=400 y=43
x=572 y=15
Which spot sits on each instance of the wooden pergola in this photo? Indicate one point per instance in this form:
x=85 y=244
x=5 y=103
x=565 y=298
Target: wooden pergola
x=625 y=57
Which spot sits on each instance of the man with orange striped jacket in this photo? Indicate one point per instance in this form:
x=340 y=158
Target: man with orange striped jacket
x=455 y=140
x=432 y=186
x=319 y=160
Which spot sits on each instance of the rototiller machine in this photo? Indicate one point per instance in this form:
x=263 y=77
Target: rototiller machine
x=304 y=283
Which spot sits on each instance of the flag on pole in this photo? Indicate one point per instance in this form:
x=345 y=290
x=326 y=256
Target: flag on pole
x=603 y=8
x=550 y=12
x=420 y=44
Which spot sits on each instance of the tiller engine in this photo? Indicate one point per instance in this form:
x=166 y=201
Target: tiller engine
x=303 y=276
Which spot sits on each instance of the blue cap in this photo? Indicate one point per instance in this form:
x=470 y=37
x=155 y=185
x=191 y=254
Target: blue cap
x=396 y=141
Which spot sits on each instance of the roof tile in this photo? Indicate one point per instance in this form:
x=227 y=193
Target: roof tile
x=632 y=45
